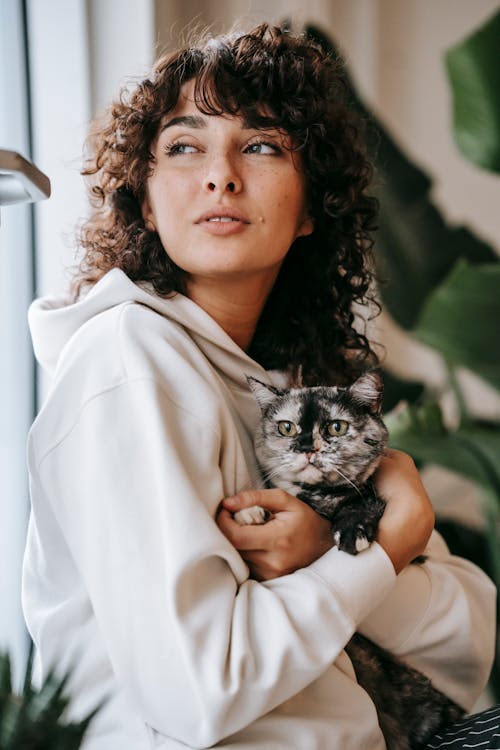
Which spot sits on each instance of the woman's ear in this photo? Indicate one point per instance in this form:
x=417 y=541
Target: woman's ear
x=306 y=227
x=147 y=215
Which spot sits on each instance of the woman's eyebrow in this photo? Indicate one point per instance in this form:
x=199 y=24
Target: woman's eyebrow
x=190 y=121
x=195 y=121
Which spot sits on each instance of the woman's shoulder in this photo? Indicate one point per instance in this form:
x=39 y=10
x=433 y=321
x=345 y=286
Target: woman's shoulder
x=124 y=347
x=125 y=342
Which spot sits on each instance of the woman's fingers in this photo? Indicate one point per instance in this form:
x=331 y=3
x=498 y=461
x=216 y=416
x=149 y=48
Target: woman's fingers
x=294 y=537
x=248 y=537
x=259 y=536
x=274 y=500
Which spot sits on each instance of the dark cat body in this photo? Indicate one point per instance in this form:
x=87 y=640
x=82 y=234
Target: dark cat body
x=409 y=708
x=323 y=444
x=354 y=515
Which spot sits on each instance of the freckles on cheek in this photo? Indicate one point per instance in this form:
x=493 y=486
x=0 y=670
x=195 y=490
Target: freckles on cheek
x=283 y=204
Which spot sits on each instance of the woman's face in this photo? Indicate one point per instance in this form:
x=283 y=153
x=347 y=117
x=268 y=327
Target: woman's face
x=227 y=200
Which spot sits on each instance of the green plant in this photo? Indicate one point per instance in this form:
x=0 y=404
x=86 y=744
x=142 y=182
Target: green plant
x=33 y=719
x=474 y=74
x=443 y=287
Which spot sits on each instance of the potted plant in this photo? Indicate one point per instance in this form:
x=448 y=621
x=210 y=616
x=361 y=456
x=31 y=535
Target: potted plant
x=34 y=718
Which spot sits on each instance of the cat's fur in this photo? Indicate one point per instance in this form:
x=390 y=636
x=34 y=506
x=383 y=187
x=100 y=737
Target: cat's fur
x=300 y=448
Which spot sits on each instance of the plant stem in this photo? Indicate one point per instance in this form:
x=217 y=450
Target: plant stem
x=492 y=517
x=457 y=392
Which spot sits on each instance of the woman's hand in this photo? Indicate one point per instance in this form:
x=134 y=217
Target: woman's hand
x=408 y=519
x=294 y=538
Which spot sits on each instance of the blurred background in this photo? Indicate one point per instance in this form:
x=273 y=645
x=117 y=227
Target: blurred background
x=61 y=62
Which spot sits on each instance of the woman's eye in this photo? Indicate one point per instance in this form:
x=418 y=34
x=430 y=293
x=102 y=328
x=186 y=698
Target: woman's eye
x=338 y=427
x=287 y=429
x=172 y=149
x=262 y=147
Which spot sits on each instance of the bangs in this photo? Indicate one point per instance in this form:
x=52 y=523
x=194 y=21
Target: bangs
x=258 y=79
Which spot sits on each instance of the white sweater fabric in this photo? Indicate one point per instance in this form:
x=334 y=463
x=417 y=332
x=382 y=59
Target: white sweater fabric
x=129 y=582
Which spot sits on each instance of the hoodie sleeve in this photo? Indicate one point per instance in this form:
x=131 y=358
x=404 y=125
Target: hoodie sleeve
x=440 y=618
x=200 y=649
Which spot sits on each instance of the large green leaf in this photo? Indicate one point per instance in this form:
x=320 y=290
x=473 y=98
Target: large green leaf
x=473 y=450
x=483 y=438
x=415 y=248
x=420 y=432
x=474 y=72
x=461 y=319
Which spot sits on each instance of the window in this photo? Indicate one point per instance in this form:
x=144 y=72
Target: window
x=52 y=76
x=17 y=387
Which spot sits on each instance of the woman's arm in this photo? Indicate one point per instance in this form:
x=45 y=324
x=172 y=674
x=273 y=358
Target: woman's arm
x=200 y=649
x=440 y=618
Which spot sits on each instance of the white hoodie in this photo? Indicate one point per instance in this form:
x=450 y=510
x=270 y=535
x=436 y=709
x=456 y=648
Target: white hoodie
x=129 y=582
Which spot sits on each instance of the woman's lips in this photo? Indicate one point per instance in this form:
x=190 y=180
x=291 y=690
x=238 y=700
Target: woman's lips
x=222 y=221
x=222 y=228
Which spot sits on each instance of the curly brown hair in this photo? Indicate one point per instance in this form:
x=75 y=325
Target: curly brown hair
x=272 y=79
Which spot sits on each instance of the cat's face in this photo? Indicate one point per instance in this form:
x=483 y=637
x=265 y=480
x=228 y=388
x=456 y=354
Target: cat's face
x=321 y=435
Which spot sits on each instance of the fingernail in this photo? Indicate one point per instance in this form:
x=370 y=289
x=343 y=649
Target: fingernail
x=231 y=502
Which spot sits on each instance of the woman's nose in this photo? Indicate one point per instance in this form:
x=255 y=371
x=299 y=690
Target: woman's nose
x=223 y=177
x=214 y=186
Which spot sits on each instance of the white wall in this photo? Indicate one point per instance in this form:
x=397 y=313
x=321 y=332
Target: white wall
x=413 y=97
x=121 y=37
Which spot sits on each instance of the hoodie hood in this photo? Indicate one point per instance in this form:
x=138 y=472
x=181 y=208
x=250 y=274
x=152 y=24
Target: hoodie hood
x=53 y=321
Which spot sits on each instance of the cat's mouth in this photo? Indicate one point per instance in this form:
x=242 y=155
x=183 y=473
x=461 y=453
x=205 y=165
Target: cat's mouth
x=307 y=468
x=310 y=474
x=311 y=469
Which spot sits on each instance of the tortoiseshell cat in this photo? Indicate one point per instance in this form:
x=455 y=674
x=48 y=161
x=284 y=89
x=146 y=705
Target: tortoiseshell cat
x=322 y=444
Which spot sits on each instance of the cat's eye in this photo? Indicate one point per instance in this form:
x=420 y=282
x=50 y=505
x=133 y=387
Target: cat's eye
x=287 y=429
x=338 y=427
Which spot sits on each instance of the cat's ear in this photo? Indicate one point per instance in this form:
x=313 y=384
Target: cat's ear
x=264 y=394
x=368 y=390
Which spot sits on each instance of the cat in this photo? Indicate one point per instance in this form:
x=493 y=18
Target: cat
x=323 y=444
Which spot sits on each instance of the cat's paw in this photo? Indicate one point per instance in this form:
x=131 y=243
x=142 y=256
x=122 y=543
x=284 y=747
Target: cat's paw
x=351 y=540
x=253 y=515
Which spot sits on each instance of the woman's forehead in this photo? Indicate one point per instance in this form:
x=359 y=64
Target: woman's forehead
x=195 y=109
x=191 y=112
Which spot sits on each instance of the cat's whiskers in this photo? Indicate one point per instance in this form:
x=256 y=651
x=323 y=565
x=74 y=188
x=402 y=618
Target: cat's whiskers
x=349 y=481
x=269 y=474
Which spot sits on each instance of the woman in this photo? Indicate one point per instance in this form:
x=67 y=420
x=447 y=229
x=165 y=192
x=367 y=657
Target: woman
x=230 y=237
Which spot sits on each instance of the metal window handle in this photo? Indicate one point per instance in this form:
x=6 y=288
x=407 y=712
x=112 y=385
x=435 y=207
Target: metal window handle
x=20 y=180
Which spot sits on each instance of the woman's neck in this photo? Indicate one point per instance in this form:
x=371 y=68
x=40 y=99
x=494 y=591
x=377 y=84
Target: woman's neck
x=236 y=306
